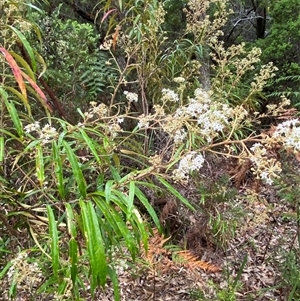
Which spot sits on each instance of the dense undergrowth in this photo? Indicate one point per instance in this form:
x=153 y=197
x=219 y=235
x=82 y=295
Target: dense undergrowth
x=143 y=119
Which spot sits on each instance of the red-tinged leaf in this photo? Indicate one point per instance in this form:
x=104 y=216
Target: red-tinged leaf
x=107 y=14
x=16 y=71
x=38 y=91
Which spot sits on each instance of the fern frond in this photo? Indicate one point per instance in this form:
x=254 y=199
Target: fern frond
x=163 y=257
x=97 y=76
x=191 y=261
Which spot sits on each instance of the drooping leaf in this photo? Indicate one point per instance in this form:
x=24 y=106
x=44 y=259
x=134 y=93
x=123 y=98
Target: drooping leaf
x=24 y=64
x=38 y=91
x=143 y=199
x=173 y=191
x=90 y=144
x=26 y=45
x=17 y=72
x=13 y=113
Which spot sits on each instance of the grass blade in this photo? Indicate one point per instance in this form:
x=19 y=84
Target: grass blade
x=54 y=241
x=114 y=279
x=114 y=218
x=1 y=149
x=172 y=190
x=13 y=113
x=90 y=144
x=130 y=199
x=143 y=199
x=39 y=165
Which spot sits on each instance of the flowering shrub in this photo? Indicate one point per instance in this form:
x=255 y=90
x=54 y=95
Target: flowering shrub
x=85 y=181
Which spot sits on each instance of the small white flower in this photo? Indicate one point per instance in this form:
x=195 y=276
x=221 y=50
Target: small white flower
x=131 y=96
x=190 y=162
x=142 y=124
x=179 y=80
x=169 y=95
x=32 y=127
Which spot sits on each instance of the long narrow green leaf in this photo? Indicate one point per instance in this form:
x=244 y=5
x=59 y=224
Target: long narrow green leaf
x=20 y=96
x=114 y=279
x=13 y=114
x=73 y=244
x=108 y=187
x=54 y=241
x=26 y=45
x=120 y=200
x=136 y=217
x=95 y=245
x=73 y=255
x=71 y=221
x=114 y=218
x=39 y=165
x=58 y=169
x=130 y=199
x=79 y=178
x=1 y=149
x=106 y=210
x=24 y=64
x=90 y=144
x=140 y=195
x=176 y=193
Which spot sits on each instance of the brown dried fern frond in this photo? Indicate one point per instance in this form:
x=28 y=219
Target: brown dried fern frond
x=162 y=258
x=191 y=261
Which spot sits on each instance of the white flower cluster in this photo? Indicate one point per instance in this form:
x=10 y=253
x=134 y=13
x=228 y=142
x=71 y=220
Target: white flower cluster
x=179 y=136
x=46 y=134
x=169 y=95
x=144 y=121
x=265 y=168
x=211 y=117
x=132 y=97
x=114 y=129
x=288 y=133
x=190 y=162
x=179 y=80
x=96 y=110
